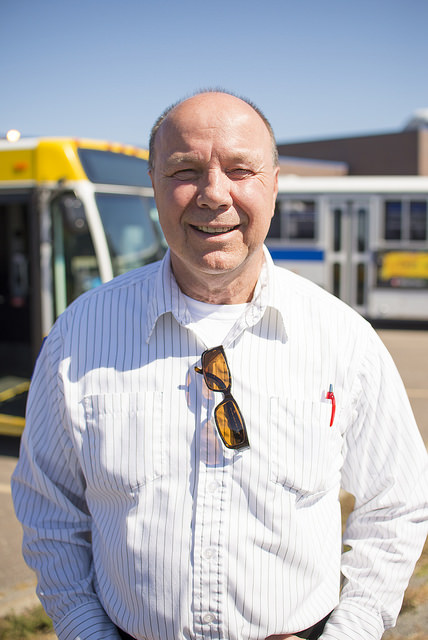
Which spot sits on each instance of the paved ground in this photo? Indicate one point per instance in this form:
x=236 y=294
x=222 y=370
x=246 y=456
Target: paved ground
x=410 y=351
x=16 y=580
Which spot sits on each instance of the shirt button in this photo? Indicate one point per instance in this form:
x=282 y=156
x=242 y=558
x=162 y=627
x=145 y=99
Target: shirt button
x=208 y=618
x=208 y=553
x=213 y=486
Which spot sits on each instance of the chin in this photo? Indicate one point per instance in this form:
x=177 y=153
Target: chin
x=220 y=265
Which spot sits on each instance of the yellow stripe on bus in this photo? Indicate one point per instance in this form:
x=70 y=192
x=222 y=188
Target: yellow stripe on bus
x=11 y=425
x=10 y=393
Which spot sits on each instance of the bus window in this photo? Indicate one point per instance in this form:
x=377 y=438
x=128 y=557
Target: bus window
x=300 y=219
x=275 y=223
x=362 y=230
x=154 y=215
x=418 y=220
x=106 y=167
x=295 y=220
x=74 y=262
x=393 y=220
x=131 y=234
x=337 y=279
x=361 y=283
x=406 y=220
x=337 y=230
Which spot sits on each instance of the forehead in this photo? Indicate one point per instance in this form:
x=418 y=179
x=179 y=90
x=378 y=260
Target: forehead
x=219 y=122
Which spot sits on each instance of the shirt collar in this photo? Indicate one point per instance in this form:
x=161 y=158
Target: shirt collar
x=266 y=295
x=166 y=297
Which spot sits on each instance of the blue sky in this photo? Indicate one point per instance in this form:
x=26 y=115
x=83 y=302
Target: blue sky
x=105 y=69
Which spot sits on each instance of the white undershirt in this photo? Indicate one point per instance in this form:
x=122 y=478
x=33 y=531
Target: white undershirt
x=212 y=322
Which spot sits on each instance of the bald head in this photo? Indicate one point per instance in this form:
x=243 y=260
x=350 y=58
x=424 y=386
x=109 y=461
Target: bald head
x=215 y=184
x=213 y=103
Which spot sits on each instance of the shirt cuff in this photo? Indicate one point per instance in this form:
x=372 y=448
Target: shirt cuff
x=353 y=622
x=87 y=622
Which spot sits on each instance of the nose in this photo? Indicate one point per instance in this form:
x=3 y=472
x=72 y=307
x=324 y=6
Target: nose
x=214 y=190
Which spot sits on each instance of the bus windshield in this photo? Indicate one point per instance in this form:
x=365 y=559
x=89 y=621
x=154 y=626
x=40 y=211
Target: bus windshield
x=107 y=167
x=131 y=230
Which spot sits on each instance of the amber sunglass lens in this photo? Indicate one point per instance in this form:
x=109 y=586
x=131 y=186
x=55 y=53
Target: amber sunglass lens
x=231 y=424
x=216 y=371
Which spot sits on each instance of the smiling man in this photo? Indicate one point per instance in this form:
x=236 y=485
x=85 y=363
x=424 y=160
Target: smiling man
x=215 y=177
x=190 y=425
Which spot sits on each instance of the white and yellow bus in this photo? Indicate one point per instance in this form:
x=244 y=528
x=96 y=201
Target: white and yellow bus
x=363 y=238
x=73 y=214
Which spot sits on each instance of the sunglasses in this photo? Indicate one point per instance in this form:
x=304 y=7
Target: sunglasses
x=228 y=417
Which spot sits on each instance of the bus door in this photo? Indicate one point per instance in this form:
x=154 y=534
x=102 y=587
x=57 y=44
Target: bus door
x=18 y=273
x=75 y=266
x=348 y=254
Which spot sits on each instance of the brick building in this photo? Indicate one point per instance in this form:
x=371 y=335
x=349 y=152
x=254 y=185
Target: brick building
x=398 y=153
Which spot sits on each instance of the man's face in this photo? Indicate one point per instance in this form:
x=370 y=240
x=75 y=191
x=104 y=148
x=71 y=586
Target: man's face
x=215 y=187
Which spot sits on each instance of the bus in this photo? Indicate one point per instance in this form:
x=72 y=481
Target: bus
x=73 y=213
x=364 y=239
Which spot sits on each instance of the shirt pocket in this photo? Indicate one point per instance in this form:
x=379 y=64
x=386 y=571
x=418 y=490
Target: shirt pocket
x=123 y=440
x=305 y=451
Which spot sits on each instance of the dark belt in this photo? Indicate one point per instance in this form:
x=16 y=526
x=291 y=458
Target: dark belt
x=315 y=631
x=124 y=635
x=312 y=633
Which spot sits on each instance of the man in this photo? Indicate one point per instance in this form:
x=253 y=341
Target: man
x=155 y=505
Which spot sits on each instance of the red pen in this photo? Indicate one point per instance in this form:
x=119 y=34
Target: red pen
x=330 y=396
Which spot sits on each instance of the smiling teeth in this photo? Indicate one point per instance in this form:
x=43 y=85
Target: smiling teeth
x=216 y=230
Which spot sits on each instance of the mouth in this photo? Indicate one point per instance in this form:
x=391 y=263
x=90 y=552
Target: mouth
x=214 y=230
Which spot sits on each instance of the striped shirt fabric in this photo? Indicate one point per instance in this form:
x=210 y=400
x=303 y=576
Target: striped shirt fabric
x=135 y=514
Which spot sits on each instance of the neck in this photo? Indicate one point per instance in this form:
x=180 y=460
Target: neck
x=230 y=287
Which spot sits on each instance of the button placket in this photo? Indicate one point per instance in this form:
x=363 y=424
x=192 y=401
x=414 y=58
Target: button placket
x=208 y=618
x=207 y=554
x=208 y=522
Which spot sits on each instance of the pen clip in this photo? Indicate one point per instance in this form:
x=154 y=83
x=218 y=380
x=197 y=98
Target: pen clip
x=330 y=396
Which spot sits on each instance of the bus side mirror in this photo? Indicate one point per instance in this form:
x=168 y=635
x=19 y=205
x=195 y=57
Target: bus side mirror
x=73 y=214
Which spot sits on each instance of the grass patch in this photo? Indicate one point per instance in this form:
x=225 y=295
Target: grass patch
x=421 y=570
x=415 y=636
x=32 y=624
x=418 y=595
x=414 y=597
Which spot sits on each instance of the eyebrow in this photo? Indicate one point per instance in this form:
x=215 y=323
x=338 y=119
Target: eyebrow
x=178 y=158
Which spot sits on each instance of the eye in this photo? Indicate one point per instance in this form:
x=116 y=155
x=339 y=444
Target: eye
x=239 y=172
x=185 y=174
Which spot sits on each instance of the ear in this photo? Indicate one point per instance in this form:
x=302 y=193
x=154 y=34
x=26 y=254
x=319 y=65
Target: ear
x=275 y=189
x=150 y=172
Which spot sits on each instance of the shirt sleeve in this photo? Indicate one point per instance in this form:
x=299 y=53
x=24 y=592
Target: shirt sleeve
x=48 y=490
x=386 y=469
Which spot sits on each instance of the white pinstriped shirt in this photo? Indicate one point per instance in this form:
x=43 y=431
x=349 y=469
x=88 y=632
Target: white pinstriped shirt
x=133 y=511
